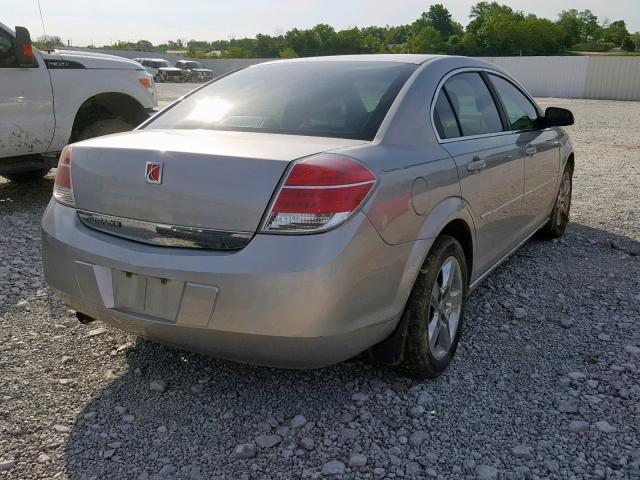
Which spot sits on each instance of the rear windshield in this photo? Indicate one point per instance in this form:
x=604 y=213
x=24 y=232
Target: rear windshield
x=330 y=99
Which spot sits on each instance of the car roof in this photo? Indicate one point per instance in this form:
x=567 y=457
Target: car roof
x=416 y=59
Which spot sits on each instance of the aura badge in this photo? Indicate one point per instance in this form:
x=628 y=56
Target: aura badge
x=153 y=173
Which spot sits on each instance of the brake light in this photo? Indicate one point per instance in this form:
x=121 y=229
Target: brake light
x=319 y=193
x=62 y=188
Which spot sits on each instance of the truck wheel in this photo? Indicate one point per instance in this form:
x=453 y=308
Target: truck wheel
x=28 y=176
x=103 y=127
x=436 y=310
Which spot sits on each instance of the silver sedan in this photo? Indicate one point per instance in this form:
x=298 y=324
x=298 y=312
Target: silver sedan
x=297 y=213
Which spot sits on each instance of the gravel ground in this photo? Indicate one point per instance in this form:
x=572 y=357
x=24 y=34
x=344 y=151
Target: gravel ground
x=550 y=390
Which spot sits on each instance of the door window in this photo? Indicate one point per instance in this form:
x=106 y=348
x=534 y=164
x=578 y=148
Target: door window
x=522 y=114
x=444 y=118
x=473 y=104
x=7 y=51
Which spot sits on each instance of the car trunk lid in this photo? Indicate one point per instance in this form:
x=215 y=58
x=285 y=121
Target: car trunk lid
x=210 y=180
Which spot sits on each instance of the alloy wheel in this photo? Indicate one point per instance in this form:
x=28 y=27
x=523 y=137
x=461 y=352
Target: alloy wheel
x=563 y=204
x=445 y=308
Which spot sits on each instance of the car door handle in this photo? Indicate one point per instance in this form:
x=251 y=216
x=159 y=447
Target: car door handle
x=476 y=164
x=530 y=150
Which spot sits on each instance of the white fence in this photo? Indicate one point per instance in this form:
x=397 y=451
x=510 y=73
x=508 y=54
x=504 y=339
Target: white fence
x=598 y=77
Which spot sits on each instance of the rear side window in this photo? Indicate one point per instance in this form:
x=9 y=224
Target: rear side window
x=473 y=104
x=315 y=98
x=444 y=118
x=522 y=114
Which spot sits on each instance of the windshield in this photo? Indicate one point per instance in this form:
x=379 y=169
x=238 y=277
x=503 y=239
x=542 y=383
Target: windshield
x=160 y=64
x=192 y=65
x=315 y=98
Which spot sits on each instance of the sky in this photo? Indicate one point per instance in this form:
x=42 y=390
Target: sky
x=101 y=22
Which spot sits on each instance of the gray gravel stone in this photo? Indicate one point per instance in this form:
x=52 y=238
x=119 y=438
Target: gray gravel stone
x=268 y=441
x=298 y=421
x=605 y=427
x=519 y=313
x=357 y=460
x=167 y=470
x=632 y=349
x=245 y=450
x=96 y=331
x=412 y=469
x=158 y=385
x=418 y=437
x=307 y=443
x=579 y=426
x=567 y=406
x=333 y=467
x=522 y=451
x=486 y=472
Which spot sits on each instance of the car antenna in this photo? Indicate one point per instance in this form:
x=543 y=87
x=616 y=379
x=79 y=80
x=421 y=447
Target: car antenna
x=44 y=30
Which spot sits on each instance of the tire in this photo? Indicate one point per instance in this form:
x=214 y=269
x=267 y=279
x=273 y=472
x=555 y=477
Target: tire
x=559 y=218
x=103 y=127
x=433 y=311
x=28 y=176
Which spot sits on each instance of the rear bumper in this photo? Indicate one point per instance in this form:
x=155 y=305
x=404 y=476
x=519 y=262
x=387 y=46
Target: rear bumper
x=288 y=301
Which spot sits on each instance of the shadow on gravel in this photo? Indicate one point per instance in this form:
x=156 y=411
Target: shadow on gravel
x=200 y=409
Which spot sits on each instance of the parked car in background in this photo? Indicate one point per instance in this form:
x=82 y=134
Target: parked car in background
x=299 y=212
x=49 y=99
x=193 y=71
x=161 y=69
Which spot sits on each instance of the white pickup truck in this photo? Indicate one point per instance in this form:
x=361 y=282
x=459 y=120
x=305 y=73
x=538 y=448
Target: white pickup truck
x=49 y=99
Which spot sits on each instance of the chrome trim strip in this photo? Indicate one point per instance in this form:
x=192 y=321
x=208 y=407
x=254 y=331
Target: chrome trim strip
x=540 y=186
x=163 y=234
x=483 y=135
x=327 y=187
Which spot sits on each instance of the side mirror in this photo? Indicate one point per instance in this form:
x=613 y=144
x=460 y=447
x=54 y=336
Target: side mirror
x=24 y=49
x=557 y=117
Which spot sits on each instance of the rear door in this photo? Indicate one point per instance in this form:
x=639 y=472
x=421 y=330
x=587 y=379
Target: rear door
x=540 y=146
x=26 y=103
x=490 y=164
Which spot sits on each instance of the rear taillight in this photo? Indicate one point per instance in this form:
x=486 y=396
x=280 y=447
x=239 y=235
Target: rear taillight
x=62 y=188
x=319 y=193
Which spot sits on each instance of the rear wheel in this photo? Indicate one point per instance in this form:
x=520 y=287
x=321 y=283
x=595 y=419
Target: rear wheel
x=559 y=220
x=436 y=310
x=28 y=176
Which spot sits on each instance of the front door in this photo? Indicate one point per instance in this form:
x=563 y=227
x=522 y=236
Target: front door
x=541 y=151
x=490 y=164
x=26 y=103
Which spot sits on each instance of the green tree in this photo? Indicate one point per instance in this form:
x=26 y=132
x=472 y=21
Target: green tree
x=590 y=29
x=427 y=40
x=348 y=42
x=570 y=26
x=439 y=18
x=628 y=45
x=615 y=32
x=288 y=53
x=49 y=41
x=236 y=52
x=144 y=45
